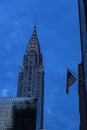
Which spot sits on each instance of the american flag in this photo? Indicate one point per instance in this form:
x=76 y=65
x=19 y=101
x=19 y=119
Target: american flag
x=71 y=78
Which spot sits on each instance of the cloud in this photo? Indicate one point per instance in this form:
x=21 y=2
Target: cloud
x=10 y=74
x=4 y=92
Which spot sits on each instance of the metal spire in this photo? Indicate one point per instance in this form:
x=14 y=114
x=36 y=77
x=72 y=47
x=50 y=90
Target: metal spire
x=33 y=43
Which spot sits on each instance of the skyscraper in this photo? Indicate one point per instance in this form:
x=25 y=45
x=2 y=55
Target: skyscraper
x=18 y=113
x=82 y=68
x=31 y=75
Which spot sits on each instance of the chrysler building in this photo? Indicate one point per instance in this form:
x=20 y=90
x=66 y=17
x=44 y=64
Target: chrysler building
x=31 y=75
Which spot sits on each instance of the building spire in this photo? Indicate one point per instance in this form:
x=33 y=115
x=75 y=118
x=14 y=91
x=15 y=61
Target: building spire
x=34 y=31
x=33 y=42
x=34 y=38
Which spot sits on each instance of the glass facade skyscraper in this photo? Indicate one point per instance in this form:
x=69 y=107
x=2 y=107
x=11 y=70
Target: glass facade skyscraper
x=18 y=113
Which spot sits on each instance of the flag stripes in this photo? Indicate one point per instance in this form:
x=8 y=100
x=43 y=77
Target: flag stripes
x=70 y=80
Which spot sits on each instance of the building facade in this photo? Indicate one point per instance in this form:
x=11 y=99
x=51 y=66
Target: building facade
x=31 y=75
x=82 y=68
x=18 y=113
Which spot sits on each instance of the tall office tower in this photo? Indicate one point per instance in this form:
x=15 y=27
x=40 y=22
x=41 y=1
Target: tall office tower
x=82 y=68
x=31 y=75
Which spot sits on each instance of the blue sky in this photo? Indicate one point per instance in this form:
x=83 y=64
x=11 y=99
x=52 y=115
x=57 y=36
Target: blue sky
x=58 y=33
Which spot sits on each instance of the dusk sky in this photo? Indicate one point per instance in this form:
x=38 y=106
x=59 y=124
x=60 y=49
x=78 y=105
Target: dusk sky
x=57 y=24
